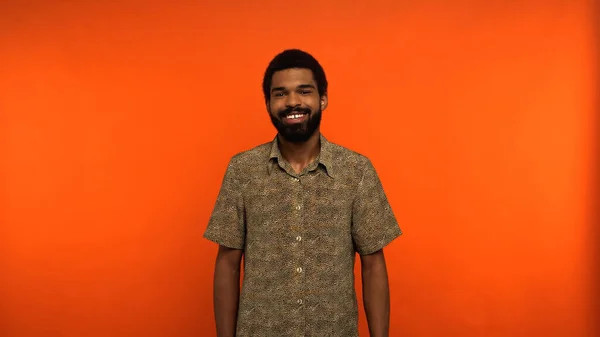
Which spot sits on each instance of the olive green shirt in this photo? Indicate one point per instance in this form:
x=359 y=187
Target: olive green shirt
x=300 y=234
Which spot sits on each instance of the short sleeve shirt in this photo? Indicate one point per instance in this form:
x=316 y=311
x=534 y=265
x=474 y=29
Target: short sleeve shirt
x=300 y=234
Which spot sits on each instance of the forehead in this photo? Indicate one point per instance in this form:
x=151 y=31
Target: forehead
x=292 y=77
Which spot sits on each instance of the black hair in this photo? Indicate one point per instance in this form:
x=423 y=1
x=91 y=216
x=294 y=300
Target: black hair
x=294 y=58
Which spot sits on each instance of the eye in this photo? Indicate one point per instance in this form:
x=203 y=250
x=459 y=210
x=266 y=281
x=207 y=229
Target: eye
x=305 y=92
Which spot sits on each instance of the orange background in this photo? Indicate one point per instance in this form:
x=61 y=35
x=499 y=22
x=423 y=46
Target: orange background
x=118 y=118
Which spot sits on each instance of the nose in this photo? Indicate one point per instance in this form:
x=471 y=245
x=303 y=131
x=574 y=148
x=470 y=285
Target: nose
x=292 y=100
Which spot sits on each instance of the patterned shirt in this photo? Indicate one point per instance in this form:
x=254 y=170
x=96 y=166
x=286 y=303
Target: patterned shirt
x=300 y=234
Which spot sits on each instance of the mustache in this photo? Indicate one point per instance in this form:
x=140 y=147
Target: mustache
x=289 y=110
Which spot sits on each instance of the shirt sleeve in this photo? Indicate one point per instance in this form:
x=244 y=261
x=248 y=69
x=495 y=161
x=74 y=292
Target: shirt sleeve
x=374 y=224
x=227 y=225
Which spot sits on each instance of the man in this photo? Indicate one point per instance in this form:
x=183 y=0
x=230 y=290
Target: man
x=298 y=209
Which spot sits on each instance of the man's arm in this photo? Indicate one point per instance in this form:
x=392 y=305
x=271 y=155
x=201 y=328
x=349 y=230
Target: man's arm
x=374 y=226
x=376 y=293
x=227 y=290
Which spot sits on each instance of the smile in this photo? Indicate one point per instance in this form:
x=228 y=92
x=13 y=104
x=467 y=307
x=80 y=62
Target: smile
x=295 y=116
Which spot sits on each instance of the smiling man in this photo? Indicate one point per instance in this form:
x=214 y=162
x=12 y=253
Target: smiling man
x=299 y=209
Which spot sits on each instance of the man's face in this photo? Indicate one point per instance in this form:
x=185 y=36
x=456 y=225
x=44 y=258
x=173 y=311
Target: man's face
x=295 y=106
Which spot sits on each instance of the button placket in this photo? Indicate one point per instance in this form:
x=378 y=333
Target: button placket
x=296 y=240
x=298 y=207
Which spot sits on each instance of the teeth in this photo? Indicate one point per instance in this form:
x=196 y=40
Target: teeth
x=295 y=116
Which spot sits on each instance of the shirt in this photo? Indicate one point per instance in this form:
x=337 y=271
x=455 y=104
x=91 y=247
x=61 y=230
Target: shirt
x=300 y=234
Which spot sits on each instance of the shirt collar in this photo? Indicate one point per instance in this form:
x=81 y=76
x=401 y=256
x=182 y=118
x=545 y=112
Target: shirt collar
x=324 y=158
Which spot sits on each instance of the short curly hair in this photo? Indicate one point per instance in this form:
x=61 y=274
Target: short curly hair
x=294 y=58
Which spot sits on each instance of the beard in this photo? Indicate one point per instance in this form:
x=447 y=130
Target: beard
x=297 y=133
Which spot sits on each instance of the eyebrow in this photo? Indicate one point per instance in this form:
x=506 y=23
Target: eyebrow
x=301 y=86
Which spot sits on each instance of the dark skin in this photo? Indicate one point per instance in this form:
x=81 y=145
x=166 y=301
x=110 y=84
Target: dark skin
x=296 y=88
x=227 y=290
x=291 y=88
x=376 y=293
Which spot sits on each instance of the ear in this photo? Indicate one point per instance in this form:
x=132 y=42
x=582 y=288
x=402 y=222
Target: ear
x=324 y=101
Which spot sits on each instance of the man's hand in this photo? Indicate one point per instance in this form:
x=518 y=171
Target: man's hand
x=227 y=290
x=376 y=295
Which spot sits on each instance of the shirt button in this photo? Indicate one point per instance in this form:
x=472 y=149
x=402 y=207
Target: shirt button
x=299 y=269
x=298 y=207
x=295 y=179
x=298 y=238
x=300 y=301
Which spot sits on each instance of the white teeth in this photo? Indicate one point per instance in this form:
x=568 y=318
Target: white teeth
x=295 y=116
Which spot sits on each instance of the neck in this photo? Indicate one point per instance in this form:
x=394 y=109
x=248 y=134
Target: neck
x=300 y=155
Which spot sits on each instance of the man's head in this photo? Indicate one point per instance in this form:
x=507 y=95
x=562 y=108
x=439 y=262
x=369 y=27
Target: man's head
x=295 y=90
